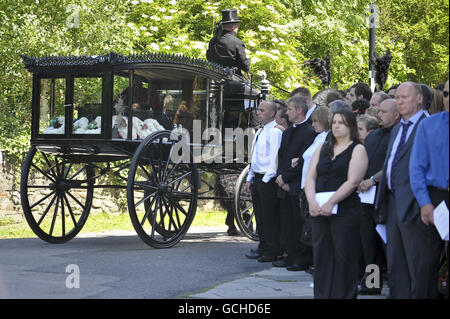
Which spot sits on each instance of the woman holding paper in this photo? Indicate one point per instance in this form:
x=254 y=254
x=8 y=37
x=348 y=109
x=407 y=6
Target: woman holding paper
x=336 y=169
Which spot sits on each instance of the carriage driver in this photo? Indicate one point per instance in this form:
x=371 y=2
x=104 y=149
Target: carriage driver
x=225 y=48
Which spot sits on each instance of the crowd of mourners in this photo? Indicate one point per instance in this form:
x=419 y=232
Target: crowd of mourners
x=352 y=184
x=347 y=190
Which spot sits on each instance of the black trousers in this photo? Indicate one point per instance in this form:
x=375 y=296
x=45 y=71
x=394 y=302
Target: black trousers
x=413 y=252
x=437 y=196
x=336 y=250
x=229 y=220
x=291 y=225
x=371 y=244
x=265 y=206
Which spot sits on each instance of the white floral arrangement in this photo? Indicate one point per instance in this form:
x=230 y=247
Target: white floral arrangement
x=141 y=129
x=56 y=126
x=83 y=126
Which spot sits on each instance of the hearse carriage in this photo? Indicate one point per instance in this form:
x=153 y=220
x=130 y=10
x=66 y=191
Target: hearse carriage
x=126 y=116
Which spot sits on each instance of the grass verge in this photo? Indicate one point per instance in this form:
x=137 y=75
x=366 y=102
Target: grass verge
x=103 y=222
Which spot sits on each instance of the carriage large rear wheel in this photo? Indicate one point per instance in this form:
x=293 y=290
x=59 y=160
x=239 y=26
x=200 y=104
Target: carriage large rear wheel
x=243 y=208
x=56 y=195
x=162 y=192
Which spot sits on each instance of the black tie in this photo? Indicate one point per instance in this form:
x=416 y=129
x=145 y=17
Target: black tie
x=258 y=133
x=405 y=127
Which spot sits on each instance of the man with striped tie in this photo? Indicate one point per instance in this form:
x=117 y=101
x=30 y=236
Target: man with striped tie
x=397 y=206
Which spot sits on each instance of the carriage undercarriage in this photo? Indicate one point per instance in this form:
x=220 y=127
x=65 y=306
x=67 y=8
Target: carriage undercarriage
x=162 y=196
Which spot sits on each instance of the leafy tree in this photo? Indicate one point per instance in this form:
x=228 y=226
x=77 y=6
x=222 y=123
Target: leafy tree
x=418 y=31
x=187 y=26
x=279 y=35
x=43 y=28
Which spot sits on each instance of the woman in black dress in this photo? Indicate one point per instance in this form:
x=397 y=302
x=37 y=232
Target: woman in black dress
x=337 y=166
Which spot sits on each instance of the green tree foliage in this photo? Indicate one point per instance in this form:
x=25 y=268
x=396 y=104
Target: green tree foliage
x=187 y=26
x=340 y=27
x=41 y=28
x=416 y=32
x=419 y=31
x=279 y=34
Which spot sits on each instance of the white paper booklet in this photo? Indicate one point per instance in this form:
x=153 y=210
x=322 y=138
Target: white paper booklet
x=368 y=197
x=440 y=217
x=381 y=230
x=322 y=198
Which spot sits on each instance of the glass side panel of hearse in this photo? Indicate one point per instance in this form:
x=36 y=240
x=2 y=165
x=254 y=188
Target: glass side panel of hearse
x=52 y=101
x=159 y=99
x=73 y=101
x=87 y=106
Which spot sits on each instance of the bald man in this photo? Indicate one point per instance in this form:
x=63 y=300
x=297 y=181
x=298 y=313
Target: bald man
x=376 y=146
x=377 y=98
x=389 y=117
x=396 y=205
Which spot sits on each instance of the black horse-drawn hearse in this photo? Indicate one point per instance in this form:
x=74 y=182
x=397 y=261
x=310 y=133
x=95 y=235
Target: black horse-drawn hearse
x=127 y=115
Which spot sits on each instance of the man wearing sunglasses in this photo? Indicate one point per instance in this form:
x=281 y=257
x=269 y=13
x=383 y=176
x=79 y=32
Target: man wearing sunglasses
x=429 y=176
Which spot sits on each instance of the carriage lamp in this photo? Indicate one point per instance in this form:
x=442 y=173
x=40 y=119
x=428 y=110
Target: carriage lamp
x=265 y=84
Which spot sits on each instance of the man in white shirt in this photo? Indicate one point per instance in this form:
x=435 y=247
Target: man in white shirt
x=261 y=184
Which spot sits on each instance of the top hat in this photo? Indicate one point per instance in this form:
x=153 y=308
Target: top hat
x=230 y=16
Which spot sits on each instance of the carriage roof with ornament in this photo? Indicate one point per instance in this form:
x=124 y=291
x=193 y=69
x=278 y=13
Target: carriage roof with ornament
x=126 y=116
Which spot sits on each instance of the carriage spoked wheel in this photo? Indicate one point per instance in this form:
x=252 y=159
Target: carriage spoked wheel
x=243 y=208
x=56 y=195
x=162 y=191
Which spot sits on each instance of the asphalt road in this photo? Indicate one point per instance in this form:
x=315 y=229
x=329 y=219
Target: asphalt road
x=120 y=265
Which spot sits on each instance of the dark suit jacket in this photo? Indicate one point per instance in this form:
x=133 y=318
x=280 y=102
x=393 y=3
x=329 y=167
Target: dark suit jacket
x=165 y=121
x=376 y=145
x=407 y=207
x=294 y=142
x=227 y=50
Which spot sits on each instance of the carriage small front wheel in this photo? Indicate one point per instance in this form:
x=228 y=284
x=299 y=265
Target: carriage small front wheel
x=162 y=193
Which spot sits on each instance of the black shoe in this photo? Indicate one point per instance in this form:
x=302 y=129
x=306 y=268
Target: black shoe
x=253 y=255
x=364 y=290
x=368 y=291
x=232 y=232
x=255 y=250
x=310 y=270
x=297 y=267
x=266 y=259
x=280 y=263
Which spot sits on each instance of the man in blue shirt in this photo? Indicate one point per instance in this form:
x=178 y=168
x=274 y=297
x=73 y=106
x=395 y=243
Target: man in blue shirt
x=429 y=159
x=428 y=167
